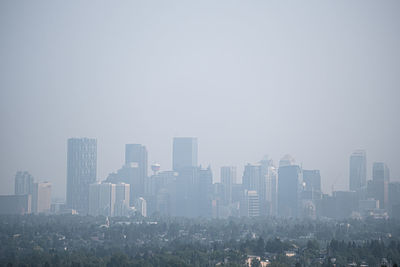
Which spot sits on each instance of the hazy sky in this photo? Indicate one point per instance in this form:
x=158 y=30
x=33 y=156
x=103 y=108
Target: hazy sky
x=315 y=79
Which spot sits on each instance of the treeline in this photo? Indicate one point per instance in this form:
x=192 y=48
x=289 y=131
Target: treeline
x=67 y=240
x=373 y=252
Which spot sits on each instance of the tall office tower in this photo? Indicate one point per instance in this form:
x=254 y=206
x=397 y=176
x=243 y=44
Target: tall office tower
x=380 y=172
x=312 y=180
x=394 y=200
x=228 y=178
x=203 y=189
x=23 y=183
x=358 y=170
x=272 y=190
x=250 y=206
x=378 y=187
x=289 y=189
x=252 y=177
x=41 y=197
x=101 y=199
x=184 y=153
x=255 y=178
x=269 y=176
x=122 y=193
x=81 y=172
x=136 y=153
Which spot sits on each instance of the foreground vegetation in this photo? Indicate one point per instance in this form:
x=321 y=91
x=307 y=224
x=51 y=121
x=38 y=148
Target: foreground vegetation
x=70 y=240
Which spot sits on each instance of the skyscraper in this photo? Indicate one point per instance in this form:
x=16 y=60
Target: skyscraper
x=228 y=178
x=289 y=189
x=81 y=172
x=358 y=170
x=378 y=188
x=270 y=183
x=312 y=180
x=23 y=183
x=252 y=177
x=184 y=153
x=136 y=155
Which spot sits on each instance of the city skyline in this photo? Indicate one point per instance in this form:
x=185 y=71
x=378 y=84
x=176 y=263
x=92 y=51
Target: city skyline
x=217 y=175
x=199 y=133
x=315 y=80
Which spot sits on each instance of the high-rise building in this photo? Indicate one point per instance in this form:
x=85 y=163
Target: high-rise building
x=228 y=178
x=255 y=179
x=270 y=183
x=137 y=154
x=184 y=153
x=312 y=180
x=394 y=199
x=41 y=197
x=380 y=172
x=250 y=206
x=289 y=189
x=81 y=172
x=23 y=183
x=122 y=193
x=378 y=188
x=251 y=177
x=101 y=199
x=203 y=189
x=358 y=170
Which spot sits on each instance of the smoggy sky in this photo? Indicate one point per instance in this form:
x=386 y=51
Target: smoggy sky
x=315 y=79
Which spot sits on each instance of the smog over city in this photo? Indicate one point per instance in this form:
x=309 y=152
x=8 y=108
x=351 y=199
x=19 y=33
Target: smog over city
x=199 y=133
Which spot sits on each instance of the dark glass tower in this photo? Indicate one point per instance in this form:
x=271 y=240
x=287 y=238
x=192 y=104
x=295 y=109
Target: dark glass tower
x=184 y=153
x=81 y=172
x=289 y=190
x=358 y=170
x=136 y=157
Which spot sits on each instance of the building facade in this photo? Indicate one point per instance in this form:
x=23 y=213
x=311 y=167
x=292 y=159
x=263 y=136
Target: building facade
x=289 y=190
x=81 y=172
x=184 y=153
x=358 y=170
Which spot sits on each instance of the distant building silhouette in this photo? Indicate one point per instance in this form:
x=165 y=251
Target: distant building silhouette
x=289 y=190
x=15 y=204
x=312 y=180
x=122 y=199
x=137 y=154
x=228 y=178
x=250 y=206
x=394 y=199
x=81 y=172
x=23 y=183
x=270 y=184
x=358 y=170
x=101 y=199
x=41 y=197
x=184 y=153
x=378 y=188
